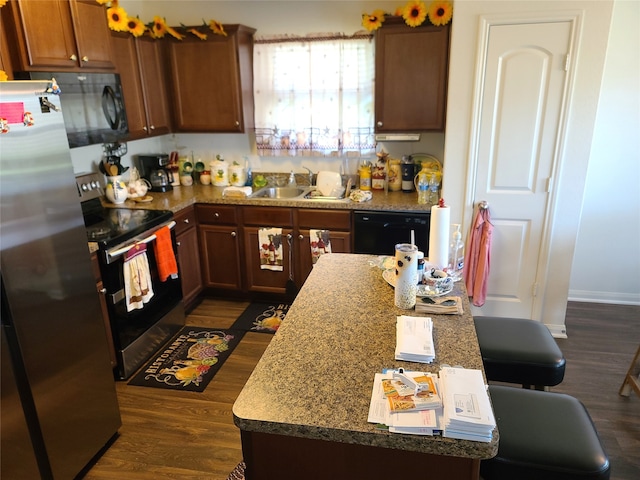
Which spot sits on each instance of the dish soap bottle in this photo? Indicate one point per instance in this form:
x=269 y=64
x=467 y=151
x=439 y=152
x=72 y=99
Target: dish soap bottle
x=456 y=254
x=292 y=180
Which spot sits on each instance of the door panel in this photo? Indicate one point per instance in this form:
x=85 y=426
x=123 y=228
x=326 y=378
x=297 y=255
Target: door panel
x=520 y=112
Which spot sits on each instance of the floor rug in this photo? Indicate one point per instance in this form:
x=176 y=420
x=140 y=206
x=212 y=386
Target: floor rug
x=238 y=472
x=189 y=360
x=261 y=317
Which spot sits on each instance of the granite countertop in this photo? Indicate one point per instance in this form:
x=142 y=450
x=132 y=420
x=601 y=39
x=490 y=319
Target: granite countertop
x=182 y=197
x=315 y=378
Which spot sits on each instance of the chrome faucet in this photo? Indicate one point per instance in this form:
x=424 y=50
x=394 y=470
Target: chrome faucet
x=310 y=175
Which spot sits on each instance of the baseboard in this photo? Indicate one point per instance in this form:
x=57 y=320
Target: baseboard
x=557 y=331
x=604 y=297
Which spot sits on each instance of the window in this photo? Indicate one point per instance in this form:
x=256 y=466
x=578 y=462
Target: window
x=314 y=95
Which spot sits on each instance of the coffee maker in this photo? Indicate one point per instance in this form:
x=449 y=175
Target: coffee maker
x=155 y=169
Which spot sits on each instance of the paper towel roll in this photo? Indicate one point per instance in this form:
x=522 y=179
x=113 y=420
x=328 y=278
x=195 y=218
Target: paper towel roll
x=406 y=275
x=439 y=236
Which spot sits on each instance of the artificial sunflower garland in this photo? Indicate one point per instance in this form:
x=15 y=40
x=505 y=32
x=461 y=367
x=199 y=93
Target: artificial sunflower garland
x=414 y=12
x=120 y=21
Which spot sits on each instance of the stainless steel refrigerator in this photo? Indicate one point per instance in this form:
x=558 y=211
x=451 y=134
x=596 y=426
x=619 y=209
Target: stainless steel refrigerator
x=58 y=397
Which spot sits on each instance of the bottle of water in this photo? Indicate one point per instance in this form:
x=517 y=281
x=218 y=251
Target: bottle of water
x=423 y=187
x=456 y=254
x=433 y=190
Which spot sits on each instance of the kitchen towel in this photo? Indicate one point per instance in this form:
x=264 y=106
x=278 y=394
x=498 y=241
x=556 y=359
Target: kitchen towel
x=439 y=236
x=320 y=244
x=138 y=289
x=270 y=245
x=478 y=259
x=165 y=258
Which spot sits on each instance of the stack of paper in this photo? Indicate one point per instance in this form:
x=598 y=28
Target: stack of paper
x=467 y=410
x=419 y=418
x=414 y=339
x=440 y=305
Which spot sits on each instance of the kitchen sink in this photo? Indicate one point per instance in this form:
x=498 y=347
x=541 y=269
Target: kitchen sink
x=279 y=192
x=294 y=193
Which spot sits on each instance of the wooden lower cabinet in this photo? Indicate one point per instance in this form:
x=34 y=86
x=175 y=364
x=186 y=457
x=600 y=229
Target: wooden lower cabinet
x=230 y=253
x=188 y=256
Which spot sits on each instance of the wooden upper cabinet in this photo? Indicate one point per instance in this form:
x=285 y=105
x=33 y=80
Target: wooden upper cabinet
x=411 y=77
x=63 y=35
x=212 y=81
x=139 y=62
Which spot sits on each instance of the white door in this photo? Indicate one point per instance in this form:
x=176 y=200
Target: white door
x=521 y=103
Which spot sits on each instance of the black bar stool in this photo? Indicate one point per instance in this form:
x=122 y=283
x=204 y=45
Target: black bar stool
x=543 y=435
x=517 y=350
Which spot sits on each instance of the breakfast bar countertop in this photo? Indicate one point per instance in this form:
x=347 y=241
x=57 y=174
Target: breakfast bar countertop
x=315 y=379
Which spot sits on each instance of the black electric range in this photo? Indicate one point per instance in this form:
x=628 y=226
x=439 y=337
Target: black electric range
x=108 y=227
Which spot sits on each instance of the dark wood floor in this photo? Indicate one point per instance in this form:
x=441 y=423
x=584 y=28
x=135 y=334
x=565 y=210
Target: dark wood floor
x=186 y=436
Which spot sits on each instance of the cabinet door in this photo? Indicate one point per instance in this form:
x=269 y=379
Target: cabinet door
x=92 y=34
x=189 y=264
x=209 y=93
x=340 y=243
x=262 y=280
x=150 y=61
x=126 y=59
x=411 y=77
x=221 y=257
x=45 y=34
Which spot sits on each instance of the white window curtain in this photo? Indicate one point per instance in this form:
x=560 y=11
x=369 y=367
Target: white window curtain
x=314 y=95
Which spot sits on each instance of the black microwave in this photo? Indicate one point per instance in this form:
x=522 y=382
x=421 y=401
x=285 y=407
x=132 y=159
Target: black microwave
x=92 y=105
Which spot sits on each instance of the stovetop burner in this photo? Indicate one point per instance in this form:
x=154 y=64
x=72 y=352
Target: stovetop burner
x=111 y=226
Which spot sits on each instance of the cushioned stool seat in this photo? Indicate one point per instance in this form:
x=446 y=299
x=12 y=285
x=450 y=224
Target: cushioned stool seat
x=517 y=350
x=543 y=435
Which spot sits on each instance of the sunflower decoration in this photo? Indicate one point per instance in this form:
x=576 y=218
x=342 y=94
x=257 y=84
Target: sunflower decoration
x=414 y=13
x=135 y=26
x=158 y=27
x=195 y=31
x=374 y=20
x=440 y=12
x=173 y=32
x=117 y=17
x=217 y=28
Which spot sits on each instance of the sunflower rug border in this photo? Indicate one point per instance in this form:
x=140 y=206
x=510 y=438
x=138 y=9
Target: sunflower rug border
x=190 y=360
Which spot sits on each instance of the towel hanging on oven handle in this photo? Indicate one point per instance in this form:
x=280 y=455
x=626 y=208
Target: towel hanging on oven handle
x=112 y=255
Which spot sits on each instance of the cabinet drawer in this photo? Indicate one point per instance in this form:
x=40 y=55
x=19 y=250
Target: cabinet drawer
x=324 y=219
x=216 y=214
x=185 y=219
x=267 y=216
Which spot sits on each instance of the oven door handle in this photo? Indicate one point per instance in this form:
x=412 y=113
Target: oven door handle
x=112 y=255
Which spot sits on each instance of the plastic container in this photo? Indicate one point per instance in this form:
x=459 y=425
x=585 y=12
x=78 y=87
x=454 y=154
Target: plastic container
x=422 y=185
x=456 y=254
x=365 y=177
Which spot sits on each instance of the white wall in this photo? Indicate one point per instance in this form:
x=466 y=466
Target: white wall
x=606 y=170
x=609 y=235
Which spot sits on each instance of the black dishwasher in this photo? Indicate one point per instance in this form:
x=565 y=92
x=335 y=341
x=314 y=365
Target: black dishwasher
x=378 y=232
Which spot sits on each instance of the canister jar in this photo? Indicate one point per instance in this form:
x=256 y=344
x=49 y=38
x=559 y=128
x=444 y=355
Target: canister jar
x=395 y=176
x=205 y=177
x=116 y=190
x=219 y=173
x=378 y=177
x=237 y=176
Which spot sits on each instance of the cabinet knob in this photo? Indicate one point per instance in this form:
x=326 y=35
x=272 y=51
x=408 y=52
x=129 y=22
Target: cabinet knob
x=85 y=59
x=216 y=215
x=153 y=127
x=103 y=291
x=237 y=123
x=144 y=128
x=379 y=124
x=233 y=234
x=178 y=244
x=301 y=237
x=73 y=57
x=186 y=220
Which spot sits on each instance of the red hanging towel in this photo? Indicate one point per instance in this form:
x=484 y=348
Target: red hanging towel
x=165 y=258
x=478 y=260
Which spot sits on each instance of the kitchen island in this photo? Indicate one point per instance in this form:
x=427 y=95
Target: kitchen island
x=303 y=411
